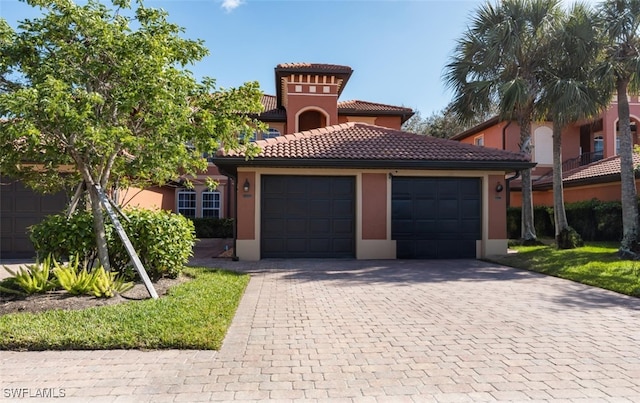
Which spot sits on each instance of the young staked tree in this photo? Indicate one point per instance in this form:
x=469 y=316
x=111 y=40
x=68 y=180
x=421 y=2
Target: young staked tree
x=498 y=61
x=620 y=20
x=106 y=91
x=571 y=93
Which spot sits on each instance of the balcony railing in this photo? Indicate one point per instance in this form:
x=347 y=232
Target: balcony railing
x=584 y=159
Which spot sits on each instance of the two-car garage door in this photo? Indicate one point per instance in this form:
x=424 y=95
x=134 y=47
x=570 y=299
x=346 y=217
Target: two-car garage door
x=314 y=217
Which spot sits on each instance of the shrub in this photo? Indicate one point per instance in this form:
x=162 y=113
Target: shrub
x=162 y=240
x=62 y=238
x=209 y=227
x=593 y=220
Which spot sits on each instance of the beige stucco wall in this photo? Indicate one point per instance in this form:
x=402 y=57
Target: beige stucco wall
x=494 y=240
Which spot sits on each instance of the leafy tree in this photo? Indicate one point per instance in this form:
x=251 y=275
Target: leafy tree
x=443 y=124
x=620 y=20
x=106 y=92
x=498 y=61
x=572 y=92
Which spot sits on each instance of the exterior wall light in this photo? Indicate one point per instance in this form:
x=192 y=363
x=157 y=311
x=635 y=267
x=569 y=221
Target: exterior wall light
x=499 y=187
x=246 y=185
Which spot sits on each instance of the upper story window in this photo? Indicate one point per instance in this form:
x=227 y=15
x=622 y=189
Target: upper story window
x=211 y=204
x=598 y=145
x=187 y=203
x=271 y=133
x=479 y=140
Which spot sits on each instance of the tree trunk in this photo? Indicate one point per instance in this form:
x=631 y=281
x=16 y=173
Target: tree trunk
x=527 y=222
x=98 y=228
x=627 y=174
x=559 y=213
x=96 y=211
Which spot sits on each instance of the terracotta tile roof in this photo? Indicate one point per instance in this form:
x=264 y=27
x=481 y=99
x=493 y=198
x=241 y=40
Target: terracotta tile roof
x=314 y=67
x=364 y=106
x=605 y=170
x=355 y=107
x=271 y=110
x=372 y=145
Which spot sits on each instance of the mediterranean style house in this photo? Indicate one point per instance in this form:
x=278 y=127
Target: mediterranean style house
x=591 y=166
x=335 y=179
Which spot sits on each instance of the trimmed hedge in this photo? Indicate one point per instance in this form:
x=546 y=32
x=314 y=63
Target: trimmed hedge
x=163 y=240
x=594 y=220
x=210 y=227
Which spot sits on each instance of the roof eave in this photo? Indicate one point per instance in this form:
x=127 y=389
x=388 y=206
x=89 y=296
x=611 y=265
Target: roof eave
x=507 y=166
x=477 y=128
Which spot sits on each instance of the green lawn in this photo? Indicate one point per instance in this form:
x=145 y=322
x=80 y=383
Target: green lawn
x=595 y=264
x=194 y=315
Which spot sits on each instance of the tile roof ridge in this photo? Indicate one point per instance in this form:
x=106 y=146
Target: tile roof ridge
x=371 y=103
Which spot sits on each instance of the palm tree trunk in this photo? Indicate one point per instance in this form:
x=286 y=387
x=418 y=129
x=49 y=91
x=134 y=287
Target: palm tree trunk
x=527 y=220
x=627 y=174
x=559 y=213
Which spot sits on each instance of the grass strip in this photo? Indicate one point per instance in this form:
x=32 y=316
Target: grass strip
x=193 y=315
x=595 y=264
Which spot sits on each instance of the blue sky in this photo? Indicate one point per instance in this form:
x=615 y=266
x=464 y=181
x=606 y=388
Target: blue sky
x=397 y=48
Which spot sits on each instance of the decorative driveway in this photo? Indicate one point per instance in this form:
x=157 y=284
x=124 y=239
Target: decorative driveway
x=344 y=330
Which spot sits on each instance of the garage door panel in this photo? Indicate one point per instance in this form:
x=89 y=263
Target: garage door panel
x=296 y=226
x=320 y=216
x=342 y=226
x=436 y=217
x=343 y=246
x=402 y=209
x=320 y=225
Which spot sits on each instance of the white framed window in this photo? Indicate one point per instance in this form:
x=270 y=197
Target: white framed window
x=187 y=203
x=211 y=204
x=598 y=145
x=479 y=140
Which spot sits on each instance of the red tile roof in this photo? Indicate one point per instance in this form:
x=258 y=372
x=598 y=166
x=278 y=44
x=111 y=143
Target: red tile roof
x=364 y=106
x=370 y=145
x=354 y=107
x=271 y=110
x=606 y=170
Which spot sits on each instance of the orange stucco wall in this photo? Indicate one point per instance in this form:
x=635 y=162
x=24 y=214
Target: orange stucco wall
x=393 y=122
x=151 y=198
x=497 y=205
x=298 y=102
x=246 y=206
x=374 y=206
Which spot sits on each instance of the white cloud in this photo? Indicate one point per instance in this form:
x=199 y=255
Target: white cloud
x=230 y=5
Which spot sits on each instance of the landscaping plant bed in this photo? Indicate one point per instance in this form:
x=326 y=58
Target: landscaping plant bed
x=12 y=303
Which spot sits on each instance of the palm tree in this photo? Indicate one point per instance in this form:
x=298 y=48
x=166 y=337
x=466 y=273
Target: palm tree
x=572 y=93
x=620 y=20
x=499 y=60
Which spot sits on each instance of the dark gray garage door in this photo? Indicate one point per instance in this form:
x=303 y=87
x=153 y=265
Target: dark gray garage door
x=308 y=217
x=20 y=208
x=436 y=218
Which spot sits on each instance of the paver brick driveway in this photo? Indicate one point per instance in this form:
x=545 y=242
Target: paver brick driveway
x=378 y=331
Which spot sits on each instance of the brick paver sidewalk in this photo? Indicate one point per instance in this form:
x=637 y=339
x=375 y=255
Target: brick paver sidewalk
x=375 y=331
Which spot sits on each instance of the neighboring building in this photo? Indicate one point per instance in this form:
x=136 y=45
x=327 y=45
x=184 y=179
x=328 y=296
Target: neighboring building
x=591 y=166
